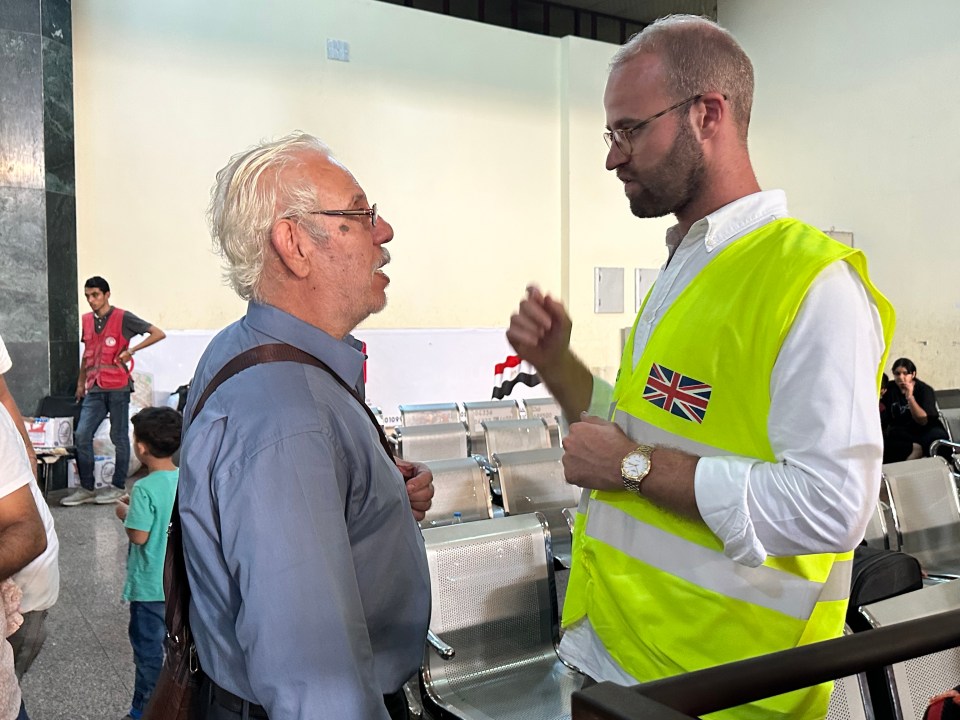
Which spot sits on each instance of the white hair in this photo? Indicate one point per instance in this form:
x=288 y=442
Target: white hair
x=699 y=56
x=247 y=200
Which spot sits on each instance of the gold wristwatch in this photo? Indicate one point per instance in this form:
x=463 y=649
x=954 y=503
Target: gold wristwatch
x=635 y=466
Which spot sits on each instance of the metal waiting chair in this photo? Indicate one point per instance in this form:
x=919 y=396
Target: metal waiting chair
x=514 y=435
x=947 y=398
x=476 y=413
x=462 y=486
x=429 y=414
x=546 y=409
x=495 y=618
x=926 y=513
x=913 y=682
x=532 y=481
x=432 y=442
x=850 y=698
x=876 y=533
x=951 y=422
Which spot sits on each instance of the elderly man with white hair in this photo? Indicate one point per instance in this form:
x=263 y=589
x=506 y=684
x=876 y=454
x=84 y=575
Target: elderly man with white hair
x=310 y=584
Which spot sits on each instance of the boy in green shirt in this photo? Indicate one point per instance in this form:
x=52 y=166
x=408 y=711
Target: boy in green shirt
x=146 y=515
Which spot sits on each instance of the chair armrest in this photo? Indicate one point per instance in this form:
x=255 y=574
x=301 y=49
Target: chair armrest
x=439 y=646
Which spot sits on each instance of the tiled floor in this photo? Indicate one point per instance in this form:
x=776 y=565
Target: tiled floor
x=85 y=670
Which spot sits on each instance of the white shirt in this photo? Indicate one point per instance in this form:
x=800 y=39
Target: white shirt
x=824 y=427
x=5 y=362
x=40 y=580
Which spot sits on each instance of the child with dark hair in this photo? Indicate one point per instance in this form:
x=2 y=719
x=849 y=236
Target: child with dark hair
x=146 y=514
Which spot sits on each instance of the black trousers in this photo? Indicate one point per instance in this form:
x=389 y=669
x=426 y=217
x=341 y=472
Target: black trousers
x=220 y=705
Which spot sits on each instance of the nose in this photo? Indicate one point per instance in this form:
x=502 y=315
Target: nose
x=383 y=232
x=615 y=157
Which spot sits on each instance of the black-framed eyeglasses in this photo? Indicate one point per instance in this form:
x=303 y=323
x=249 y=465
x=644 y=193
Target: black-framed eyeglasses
x=621 y=136
x=370 y=212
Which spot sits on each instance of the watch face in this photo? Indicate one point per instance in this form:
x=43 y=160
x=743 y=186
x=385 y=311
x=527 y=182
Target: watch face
x=635 y=465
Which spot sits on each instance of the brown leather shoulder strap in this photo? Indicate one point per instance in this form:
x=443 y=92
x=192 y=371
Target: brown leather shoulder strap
x=281 y=352
x=176 y=583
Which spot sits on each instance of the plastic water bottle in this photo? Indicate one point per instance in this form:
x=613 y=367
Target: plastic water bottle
x=457 y=518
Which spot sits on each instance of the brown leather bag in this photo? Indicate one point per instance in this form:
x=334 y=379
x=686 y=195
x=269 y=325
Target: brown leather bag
x=177 y=694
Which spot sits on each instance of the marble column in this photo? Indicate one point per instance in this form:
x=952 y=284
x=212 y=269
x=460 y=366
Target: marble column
x=38 y=230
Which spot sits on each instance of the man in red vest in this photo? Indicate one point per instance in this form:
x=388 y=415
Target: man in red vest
x=104 y=385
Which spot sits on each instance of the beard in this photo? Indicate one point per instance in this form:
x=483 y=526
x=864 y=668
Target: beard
x=675 y=183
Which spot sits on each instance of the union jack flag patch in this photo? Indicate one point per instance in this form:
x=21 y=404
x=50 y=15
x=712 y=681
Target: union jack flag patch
x=677 y=394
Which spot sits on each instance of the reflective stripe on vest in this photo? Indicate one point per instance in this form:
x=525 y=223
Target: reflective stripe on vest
x=764 y=586
x=658 y=590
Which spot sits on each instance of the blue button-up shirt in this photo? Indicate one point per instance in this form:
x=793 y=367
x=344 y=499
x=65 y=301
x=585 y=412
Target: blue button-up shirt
x=311 y=593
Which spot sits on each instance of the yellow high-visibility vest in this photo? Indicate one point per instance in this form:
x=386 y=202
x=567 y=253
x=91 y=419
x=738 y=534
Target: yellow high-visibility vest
x=658 y=590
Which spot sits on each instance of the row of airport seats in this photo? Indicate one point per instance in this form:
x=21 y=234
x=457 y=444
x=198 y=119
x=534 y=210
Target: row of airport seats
x=494 y=630
x=495 y=611
x=492 y=653
x=919 y=514
x=523 y=482
x=948 y=407
x=441 y=431
x=492 y=459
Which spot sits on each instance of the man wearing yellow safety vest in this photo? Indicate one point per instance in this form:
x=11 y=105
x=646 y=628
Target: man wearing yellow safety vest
x=743 y=460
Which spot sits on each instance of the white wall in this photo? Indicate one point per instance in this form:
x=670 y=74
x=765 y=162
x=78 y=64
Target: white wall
x=482 y=146
x=855 y=117
x=452 y=127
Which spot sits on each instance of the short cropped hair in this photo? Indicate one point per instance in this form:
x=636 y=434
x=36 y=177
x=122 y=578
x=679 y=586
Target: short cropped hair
x=246 y=202
x=159 y=429
x=906 y=364
x=699 y=56
x=99 y=283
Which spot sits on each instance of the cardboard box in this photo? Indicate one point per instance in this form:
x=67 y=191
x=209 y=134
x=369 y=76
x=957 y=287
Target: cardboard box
x=103 y=468
x=50 y=432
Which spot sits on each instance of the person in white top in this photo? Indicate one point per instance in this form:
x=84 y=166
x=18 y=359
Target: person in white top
x=22 y=538
x=40 y=580
x=682 y=150
x=7 y=400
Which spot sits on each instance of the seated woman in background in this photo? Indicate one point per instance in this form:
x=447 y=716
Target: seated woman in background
x=909 y=416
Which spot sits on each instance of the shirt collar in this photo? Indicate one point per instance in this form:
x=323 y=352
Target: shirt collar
x=732 y=221
x=344 y=359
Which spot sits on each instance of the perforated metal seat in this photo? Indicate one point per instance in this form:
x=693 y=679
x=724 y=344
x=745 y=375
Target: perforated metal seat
x=914 y=682
x=532 y=481
x=546 y=409
x=514 y=435
x=926 y=513
x=432 y=442
x=429 y=414
x=494 y=602
x=461 y=486
x=847 y=700
x=876 y=532
x=477 y=413
x=850 y=698
x=951 y=421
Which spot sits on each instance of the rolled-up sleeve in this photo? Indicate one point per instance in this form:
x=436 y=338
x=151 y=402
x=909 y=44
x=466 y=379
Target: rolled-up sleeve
x=824 y=429
x=601 y=398
x=301 y=625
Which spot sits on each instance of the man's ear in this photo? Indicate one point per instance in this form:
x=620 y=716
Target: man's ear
x=715 y=108
x=289 y=242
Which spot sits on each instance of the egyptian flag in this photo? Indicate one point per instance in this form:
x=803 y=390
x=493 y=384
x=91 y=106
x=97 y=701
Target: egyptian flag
x=511 y=371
